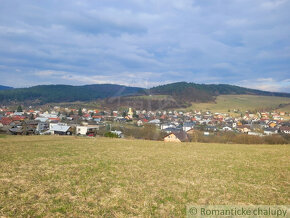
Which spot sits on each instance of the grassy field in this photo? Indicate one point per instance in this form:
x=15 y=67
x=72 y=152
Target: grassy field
x=72 y=176
x=242 y=102
x=285 y=108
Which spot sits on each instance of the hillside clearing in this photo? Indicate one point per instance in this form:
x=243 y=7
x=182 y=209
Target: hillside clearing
x=74 y=176
x=243 y=103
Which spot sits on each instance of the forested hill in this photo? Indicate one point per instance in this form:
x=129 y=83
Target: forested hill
x=182 y=92
x=183 y=89
x=66 y=93
x=5 y=87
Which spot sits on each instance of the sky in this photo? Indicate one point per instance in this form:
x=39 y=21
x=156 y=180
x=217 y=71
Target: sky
x=145 y=43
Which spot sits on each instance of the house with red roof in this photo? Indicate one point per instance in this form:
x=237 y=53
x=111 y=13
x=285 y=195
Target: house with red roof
x=6 y=121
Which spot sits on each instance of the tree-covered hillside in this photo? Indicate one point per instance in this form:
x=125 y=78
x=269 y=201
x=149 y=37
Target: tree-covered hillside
x=181 y=93
x=210 y=89
x=66 y=93
x=5 y=87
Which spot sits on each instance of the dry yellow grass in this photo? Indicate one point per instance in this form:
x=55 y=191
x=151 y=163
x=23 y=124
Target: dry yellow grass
x=242 y=102
x=80 y=177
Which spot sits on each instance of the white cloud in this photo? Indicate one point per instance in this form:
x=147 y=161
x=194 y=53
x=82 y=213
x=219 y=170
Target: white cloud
x=140 y=79
x=265 y=80
x=273 y=4
x=93 y=41
x=50 y=73
x=267 y=84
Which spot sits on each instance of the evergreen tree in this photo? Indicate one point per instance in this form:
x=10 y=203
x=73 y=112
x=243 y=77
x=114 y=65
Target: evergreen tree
x=19 y=109
x=80 y=113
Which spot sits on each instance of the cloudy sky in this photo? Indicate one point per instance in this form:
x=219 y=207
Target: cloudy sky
x=145 y=42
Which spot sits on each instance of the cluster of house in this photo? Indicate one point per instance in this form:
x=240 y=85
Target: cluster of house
x=46 y=123
x=177 y=124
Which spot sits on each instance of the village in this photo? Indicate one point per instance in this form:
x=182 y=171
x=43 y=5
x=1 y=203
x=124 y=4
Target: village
x=167 y=125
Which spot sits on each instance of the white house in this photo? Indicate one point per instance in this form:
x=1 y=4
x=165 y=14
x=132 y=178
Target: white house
x=18 y=113
x=41 y=127
x=58 y=128
x=255 y=133
x=84 y=130
x=187 y=126
x=270 y=131
x=41 y=119
x=227 y=128
x=155 y=121
x=167 y=125
x=47 y=115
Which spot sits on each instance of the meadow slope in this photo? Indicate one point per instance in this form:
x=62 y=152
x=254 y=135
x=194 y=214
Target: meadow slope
x=224 y=103
x=74 y=176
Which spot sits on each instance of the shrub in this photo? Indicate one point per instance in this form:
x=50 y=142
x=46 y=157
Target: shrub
x=248 y=139
x=286 y=137
x=111 y=135
x=237 y=138
x=275 y=139
x=149 y=132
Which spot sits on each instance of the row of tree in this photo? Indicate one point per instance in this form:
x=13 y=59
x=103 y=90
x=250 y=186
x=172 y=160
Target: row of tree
x=237 y=138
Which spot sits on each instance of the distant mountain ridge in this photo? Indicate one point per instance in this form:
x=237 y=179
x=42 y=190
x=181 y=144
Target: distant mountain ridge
x=182 y=93
x=211 y=89
x=5 y=87
x=65 y=93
